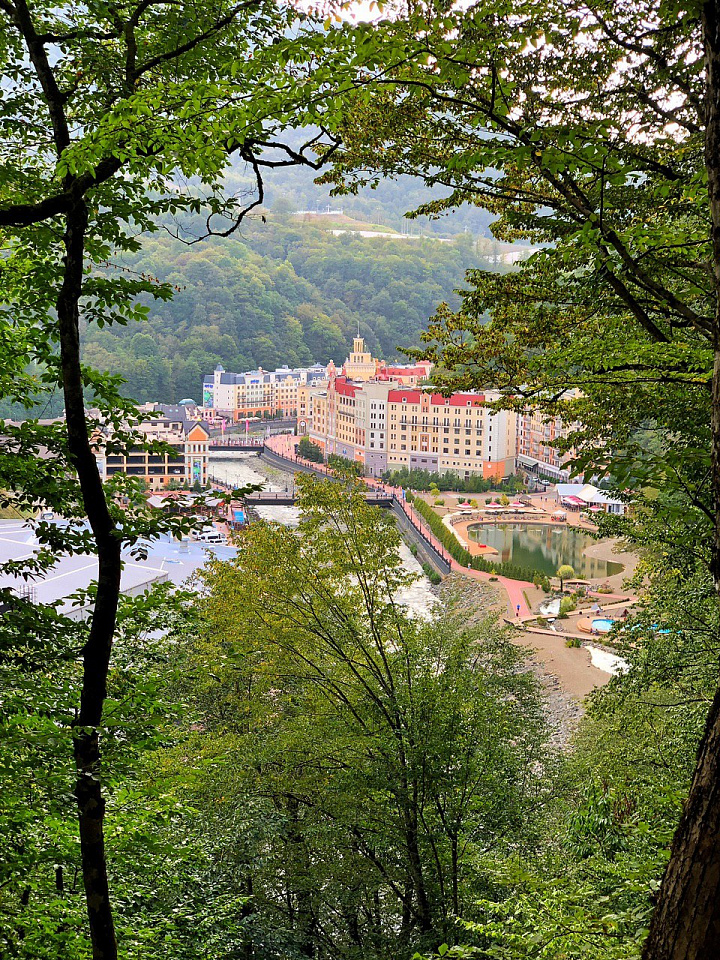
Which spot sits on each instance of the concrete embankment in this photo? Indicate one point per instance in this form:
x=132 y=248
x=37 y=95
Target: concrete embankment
x=426 y=552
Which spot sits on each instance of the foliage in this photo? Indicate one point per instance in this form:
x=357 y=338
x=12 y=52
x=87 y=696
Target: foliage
x=432 y=575
x=564 y=572
x=162 y=872
x=426 y=482
x=310 y=451
x=344 y=466
x=343 y=747
x=567 y=605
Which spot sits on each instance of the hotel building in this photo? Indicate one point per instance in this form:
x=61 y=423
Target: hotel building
x=186 y=463
x=384 y=424
x=257 y=393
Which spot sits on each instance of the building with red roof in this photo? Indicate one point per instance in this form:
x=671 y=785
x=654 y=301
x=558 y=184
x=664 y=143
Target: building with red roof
x=385 y=424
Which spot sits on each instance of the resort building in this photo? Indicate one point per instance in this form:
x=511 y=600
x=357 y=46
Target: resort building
x=184 y=464
x=257 y=393
x=384 y=424
x=537 y=445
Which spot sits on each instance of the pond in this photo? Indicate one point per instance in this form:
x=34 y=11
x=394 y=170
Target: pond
x=544 y=547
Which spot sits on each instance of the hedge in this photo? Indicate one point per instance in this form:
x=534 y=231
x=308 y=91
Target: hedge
x=445 y=536
x=456 y=550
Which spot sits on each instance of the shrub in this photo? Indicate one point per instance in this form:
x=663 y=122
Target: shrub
x=445 y=536
x=573 y=642
x=567 y=605
x=432 y=575
x=413 y=549
x=425 y=481
x=439 y=503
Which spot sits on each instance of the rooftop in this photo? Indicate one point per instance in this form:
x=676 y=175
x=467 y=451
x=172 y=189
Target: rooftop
x=167 y=560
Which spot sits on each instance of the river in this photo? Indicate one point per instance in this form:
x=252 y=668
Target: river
x=242 y=469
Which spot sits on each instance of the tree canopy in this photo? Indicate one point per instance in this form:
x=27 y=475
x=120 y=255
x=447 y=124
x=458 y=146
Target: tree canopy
x=591 y=130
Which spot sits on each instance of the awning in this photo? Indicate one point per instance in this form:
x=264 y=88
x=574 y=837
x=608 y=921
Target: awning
x=574 y=501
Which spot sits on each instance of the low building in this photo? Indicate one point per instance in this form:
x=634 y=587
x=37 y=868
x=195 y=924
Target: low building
x=185 y=463
x=579 y=496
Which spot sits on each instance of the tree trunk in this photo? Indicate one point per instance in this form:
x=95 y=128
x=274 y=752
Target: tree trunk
x=686 y=922
x=96 y=653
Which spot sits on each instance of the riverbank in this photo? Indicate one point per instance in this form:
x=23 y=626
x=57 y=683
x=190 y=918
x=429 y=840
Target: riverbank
x=565 y=674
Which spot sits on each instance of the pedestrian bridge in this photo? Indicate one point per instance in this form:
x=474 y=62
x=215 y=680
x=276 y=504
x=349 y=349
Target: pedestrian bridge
x=286 y=498
x=240 y=445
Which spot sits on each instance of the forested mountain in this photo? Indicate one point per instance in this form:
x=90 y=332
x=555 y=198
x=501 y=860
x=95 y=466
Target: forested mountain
x=284 y=291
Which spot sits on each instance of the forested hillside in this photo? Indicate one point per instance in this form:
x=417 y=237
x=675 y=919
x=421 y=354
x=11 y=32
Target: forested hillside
x=282 y=292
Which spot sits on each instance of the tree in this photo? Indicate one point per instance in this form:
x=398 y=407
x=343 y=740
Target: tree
x=564 y=572
x=113 y=110
x=353 y=747
x=310 y=451
x=592 y=130
x=345 y=466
